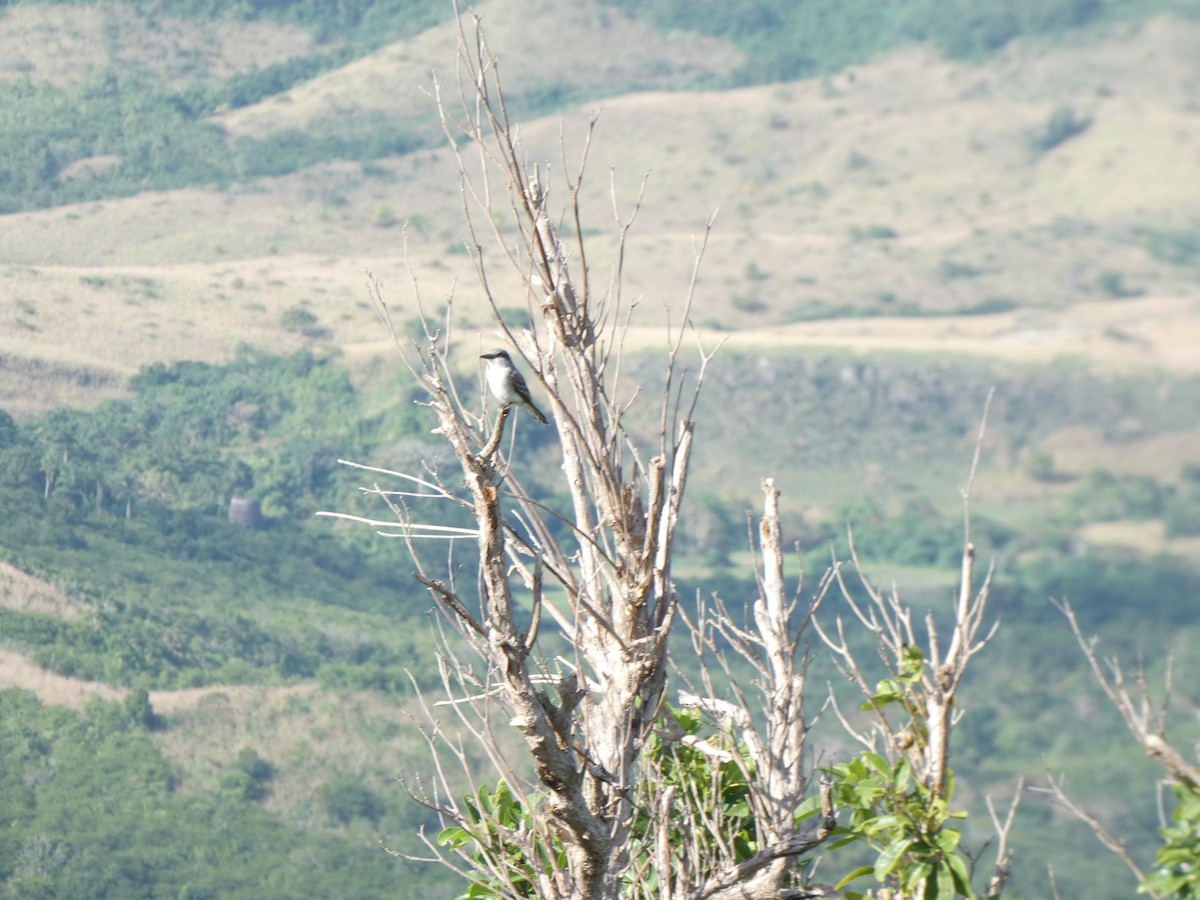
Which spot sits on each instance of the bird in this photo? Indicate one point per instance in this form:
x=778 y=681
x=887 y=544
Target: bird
x=507 y=384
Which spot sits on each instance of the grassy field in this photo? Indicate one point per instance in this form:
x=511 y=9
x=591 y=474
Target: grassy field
x=69 y=44
x=904 y=187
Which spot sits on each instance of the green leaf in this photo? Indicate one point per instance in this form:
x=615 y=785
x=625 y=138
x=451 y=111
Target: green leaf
x=917 y=873
x=843 y=842
x=912 y=664
x=879 y=701
x=1163 y=883
x=743 y=848
x=1189 y=804
x=958 y=871
x=947 y=840
x=809 y=808
x=869 y=788
x=945 y=880
x=454 y=836
x=881 y=823
x=857 y=873
x=878 y=763
x=887 y=691
x=890 y=857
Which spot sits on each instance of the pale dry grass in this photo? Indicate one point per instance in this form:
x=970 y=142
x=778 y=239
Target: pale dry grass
x=178 y=702
x=308 y=735
x=544 y=45
x=1144 y=536
x=24 y=593
x=1121 y=337
x=52 y=689
x=935 y=150
x=71 y=44
x=1082 y=450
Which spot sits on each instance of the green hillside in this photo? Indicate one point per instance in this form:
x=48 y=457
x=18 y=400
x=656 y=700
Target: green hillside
x=123 y=123
x=178 y=598
x=786 y=41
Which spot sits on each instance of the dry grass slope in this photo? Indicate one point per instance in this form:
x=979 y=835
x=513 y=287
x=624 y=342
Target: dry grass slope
x=907 y=184
x=545 y=45
x=70 y=44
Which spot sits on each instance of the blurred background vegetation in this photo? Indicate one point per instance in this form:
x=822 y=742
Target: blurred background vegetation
x=301 y=639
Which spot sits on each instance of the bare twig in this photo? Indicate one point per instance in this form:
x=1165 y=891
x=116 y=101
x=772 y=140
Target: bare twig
x=1103 y=835
x=1146 y=722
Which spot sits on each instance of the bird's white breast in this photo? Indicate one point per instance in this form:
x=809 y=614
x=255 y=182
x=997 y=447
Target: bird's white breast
x=499 y=383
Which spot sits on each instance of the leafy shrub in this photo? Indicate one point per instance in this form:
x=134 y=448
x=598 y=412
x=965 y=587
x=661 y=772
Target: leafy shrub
x=346 y=798
x=245 y=88
x=973 y=31
x=873 y=233
x=918 y=536
x=383 y=217
x=952 y=270
x=254 y=765
x=1113 y=284
x=139 y=712
x=894 y=813
x=1106 y=497
x=1181 y=514
x=1178 y=860
x=990 y=306
x=1102 y=584
x=1062 y=125
x=249 y=779
x=967 y=29
x=703 y=789
x=1039 y=466
x=91 y=810
x=1181 y=248
x=748 y=304
x=485 y=810
x=297 y=318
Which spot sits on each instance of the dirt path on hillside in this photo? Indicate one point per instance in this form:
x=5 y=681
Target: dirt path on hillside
x=24 y=593
x=1117 y=336
x=167 y=702
x=1149 y=333
x=52 y=689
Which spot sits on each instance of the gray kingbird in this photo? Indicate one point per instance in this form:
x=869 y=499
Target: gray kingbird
x=507 y=384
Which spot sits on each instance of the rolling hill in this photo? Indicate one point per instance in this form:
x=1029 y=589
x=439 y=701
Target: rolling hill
x=890 y=239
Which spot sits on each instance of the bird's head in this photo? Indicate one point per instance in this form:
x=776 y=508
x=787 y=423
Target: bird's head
x=496 y=354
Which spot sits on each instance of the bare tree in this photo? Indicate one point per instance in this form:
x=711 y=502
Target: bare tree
x=913 y=709
x=699 y=857
x=579 y=810
x=1178 y=872
x=608 y=789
